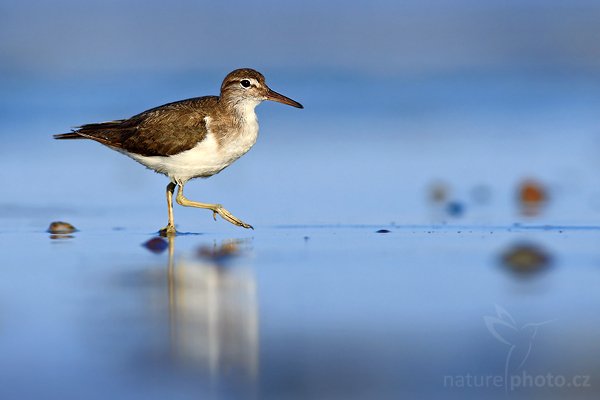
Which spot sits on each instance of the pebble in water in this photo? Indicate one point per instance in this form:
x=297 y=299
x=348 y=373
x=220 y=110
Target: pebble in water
x=438 y=192
x=455 y=208
x=481 y=194
x=526 y=259
x=532 y=196
x=61 y=228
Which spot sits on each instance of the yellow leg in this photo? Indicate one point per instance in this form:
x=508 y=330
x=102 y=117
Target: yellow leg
x=216 y=209
x=169 y=230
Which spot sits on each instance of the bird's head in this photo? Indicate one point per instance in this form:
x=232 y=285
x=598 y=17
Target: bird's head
x=248 y=86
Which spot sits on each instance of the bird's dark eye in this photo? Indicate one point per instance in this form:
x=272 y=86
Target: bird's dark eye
x=245 y=83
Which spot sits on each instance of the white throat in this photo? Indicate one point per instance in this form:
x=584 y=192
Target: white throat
x=245 y=110
x=240 y=141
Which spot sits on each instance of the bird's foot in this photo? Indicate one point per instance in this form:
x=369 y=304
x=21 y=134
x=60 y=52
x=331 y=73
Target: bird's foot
x=168 y=231
x=227 y=216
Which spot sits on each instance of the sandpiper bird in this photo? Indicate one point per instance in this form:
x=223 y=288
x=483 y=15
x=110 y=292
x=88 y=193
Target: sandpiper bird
x=193 y=138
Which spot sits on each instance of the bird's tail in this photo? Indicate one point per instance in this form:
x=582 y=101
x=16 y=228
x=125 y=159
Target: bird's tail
x=71 y=135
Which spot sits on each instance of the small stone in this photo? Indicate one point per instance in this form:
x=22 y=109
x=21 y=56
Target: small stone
x=526 y=258
x=455 y=208
x=481 y=194
x=61 y=228
x=438 y=192
x=531 y=191
x=532 y=197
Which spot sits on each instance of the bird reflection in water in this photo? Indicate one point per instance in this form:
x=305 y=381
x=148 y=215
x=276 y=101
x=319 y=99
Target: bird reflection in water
x=213 y=313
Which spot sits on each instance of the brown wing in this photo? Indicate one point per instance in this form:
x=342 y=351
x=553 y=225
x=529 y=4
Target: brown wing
x=161 y=131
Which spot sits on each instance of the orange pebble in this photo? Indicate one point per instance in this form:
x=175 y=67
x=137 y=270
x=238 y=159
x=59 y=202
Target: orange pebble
x=532 y=192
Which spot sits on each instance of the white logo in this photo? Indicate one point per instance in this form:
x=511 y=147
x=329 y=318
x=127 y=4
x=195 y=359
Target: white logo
x=519 y=339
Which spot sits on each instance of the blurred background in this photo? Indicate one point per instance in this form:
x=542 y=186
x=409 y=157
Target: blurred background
x=473 y=98
x=467 y=130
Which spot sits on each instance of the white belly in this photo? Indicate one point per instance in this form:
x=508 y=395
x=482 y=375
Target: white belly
x=207 y=158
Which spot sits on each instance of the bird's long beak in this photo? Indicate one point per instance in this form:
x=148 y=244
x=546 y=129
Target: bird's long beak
x=274 y=96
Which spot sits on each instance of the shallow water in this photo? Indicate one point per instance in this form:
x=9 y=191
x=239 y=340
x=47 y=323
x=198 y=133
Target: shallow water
x=337 y=312
x=313 y=303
